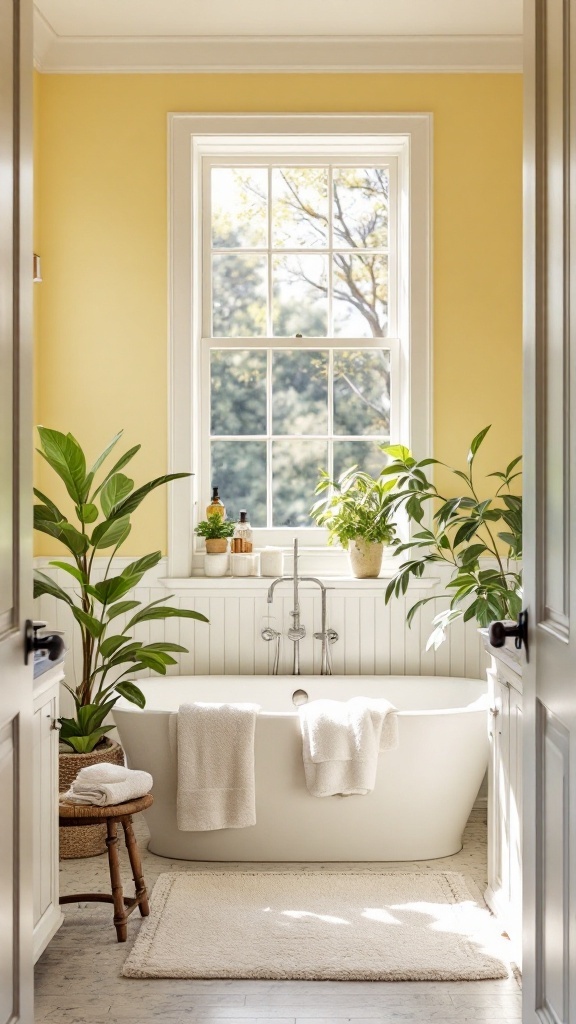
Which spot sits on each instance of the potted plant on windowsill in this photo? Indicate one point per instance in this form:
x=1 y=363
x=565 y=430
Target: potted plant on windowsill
x=358 y=513
x=478 y=539
x=215 y=530
x=100 y=606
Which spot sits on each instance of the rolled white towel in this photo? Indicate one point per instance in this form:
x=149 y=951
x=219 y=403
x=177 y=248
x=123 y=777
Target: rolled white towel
x=102 y=784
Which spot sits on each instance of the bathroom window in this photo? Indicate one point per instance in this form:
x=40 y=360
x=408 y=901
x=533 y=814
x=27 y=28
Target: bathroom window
x=299 y=368
x=299 y=309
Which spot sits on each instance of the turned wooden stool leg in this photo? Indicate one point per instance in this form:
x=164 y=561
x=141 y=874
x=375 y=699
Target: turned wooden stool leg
x=136 y=865
x=116 y=881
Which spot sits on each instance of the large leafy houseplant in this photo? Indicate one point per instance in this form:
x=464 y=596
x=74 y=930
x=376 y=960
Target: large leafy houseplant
x=357 y=505
x=102 y=512
x=479 y=539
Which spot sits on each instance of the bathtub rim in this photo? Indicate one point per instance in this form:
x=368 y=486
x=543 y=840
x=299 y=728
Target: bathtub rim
x=479 y=705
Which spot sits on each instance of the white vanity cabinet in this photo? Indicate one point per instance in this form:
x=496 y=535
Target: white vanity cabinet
x=504 y=892
x=47 y=913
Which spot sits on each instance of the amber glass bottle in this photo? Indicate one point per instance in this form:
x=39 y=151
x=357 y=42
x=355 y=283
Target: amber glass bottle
x=242 y=539
x=216 y=506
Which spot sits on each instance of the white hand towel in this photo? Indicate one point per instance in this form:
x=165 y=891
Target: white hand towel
x=102 y=784
x=341 y=741
x=216 y=766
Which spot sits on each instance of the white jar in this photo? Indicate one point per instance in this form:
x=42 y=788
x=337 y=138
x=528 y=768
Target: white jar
x=241 y=564
x=216 y=565
x=271 y=562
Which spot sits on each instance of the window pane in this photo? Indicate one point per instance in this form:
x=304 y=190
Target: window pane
x=295 y=469
x=360 y=208
x=362 y=392
x=299 y=207
x=238 y=391
x=300 y=392
x=364 y=454
x=360 y=289
x=239 y=289
x=239 y=471
x=299 y=304
x=239 y=207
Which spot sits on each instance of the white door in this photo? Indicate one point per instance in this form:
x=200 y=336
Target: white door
x=15 y=513
x=549 y=678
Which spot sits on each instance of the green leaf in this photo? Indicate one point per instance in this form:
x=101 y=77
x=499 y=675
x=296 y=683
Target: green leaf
x=94 y=627
x=120 y=608
x=131 y=503
x=94 y=469
x=115 y=490
x=86 y=744
x=43 y=584
x=111 y=644
x=66 y=457
x=476 y=442
x=44 y=522
x=472 y=553
x=73 y=570
x=396 y=451
x=123 y=461
x=414 y=509
x=56 y=513
x=132 y=693
x=164 y=612
x=87 y=513
x=76 y=541
x=142 y=565
x=110 y=590
x=112 y=532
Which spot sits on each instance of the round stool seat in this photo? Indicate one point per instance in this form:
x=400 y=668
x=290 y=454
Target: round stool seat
x=76 y=812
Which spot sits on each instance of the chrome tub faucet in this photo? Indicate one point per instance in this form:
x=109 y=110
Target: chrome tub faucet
x=297 y=631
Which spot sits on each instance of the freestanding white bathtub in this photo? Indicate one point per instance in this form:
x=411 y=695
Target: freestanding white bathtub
x=424 y=790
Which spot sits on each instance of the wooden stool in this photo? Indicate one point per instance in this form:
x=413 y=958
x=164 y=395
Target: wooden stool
x=87 y=814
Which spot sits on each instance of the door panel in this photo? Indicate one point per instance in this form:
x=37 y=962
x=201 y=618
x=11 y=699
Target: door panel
x=16 y=1002
x=549 y=678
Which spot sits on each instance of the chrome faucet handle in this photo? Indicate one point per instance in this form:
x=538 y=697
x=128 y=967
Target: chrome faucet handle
x=296 y=633
x=330 y=635
x=267 y=633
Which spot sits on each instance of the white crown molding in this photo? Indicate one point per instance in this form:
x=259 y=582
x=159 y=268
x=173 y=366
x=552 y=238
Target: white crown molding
x=56 y=54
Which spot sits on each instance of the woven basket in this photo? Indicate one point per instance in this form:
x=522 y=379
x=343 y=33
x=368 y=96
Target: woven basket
x=85 y=840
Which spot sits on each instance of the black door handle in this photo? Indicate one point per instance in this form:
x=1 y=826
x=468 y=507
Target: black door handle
x=497 y=633
x=53 y=643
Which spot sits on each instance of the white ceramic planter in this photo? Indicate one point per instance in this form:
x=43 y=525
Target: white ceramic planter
x=216 y=565
x=365 y=558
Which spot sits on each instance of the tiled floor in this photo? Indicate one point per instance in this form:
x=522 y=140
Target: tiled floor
x=78 y=977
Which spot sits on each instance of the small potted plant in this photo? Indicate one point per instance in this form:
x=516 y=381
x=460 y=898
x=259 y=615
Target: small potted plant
x=215 y=530
x=358 y=513
x=101 y=606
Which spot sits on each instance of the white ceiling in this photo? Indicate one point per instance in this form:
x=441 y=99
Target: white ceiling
x=259 y=35
x=278 y=18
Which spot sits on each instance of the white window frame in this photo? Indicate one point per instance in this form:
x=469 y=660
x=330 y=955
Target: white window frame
x=194 y=137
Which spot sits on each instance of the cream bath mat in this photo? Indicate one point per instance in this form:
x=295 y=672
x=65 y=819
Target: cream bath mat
x=393 y=926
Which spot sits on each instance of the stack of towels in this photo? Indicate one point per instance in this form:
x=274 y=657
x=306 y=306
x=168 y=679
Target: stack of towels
x=341 y=741
x=103 y=784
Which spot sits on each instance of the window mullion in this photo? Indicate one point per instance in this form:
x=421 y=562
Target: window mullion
x=330 y=466
x=269 y=510
x=330 y=250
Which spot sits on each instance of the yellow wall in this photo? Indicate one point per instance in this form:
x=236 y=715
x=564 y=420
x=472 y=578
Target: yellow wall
x=102 y=234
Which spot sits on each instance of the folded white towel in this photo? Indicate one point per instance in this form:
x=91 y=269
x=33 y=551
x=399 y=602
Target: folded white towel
x=102 y=784
x=216 y=766
x=341 y=741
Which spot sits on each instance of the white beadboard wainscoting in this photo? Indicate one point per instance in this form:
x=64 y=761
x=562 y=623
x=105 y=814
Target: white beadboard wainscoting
x=374 y=638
